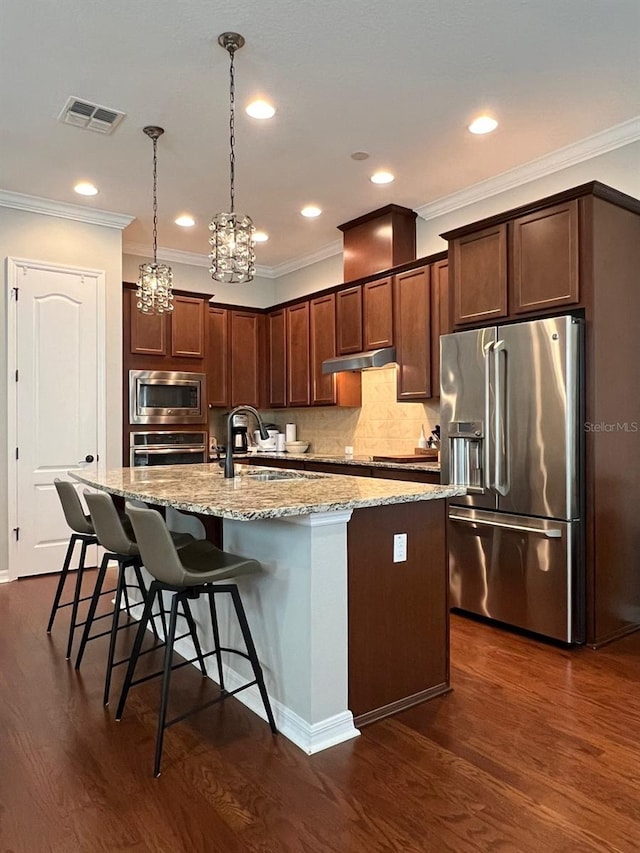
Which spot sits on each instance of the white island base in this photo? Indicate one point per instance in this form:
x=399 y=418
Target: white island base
x=297 y=612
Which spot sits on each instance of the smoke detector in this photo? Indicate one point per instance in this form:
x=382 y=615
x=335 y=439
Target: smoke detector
x=90 y=116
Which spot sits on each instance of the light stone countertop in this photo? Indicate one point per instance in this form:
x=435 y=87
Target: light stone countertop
x=203 y=489
x=432 y=466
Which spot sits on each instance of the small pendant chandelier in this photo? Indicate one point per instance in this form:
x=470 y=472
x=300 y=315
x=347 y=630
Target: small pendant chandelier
x=233 y=258
x=154 y=282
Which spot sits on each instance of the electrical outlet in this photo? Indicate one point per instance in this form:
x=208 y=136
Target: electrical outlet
x=399 y=547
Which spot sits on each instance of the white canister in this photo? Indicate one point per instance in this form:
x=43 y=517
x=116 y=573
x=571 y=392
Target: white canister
x=280 y=440
x=290 y=432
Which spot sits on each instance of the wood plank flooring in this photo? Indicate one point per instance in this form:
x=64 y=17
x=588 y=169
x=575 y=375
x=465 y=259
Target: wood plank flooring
x=537 y=749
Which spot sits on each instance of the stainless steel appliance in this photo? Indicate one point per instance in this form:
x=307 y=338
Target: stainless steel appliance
x=167 y=448
x=166 y=397
x=510 y=412
x=239 y=428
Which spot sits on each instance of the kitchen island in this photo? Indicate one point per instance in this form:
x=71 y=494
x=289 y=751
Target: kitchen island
x=342 y=629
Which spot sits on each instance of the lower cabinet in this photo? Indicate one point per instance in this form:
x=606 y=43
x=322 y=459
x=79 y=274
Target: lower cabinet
x=398 y=612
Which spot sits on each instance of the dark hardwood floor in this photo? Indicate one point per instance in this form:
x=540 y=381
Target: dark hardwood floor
x=536 y=749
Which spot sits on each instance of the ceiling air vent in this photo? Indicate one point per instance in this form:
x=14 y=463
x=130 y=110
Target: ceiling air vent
x=90 y=116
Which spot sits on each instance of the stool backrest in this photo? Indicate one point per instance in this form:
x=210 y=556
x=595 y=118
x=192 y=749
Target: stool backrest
x=72 y=507
x=157 y=549
x=107 y=524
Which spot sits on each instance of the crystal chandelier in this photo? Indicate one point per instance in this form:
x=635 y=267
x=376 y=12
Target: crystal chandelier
x=233 y=258
x=154 y=282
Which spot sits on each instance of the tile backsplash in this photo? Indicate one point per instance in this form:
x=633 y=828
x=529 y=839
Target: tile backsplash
x=381 y=425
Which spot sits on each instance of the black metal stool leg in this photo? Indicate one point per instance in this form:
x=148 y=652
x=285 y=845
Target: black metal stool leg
x=136 y=564
x=216 y=639
x=114 y=630
x=253 y=655
x=166 y=680
x=95 y=598
x=137 y=645
x=63 y=577
x=76 y=598
x=194 y=635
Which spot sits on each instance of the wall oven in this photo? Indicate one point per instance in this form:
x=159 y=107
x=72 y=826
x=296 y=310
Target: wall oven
x=167 y=448
x=166 y=397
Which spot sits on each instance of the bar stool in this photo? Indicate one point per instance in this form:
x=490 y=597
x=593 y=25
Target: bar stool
x=193 y=571
x=83 y=532
x=119 y=547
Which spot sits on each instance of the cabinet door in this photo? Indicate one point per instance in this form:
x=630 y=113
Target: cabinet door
x=413 y=345
x=148 y=331
x=544 y=259
x=217 y=364
x=349 y=320
x=187 y=327
x=276 y=359
x=479 y=273
x=377 y=305
x=245 y=358
x=440 y=323
x=298 y=355
x=323 y=345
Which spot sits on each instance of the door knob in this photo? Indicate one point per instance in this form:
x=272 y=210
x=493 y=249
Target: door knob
x=87 y=458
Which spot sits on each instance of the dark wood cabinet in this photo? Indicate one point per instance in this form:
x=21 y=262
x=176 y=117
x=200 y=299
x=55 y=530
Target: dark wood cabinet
x=440 y=318
x=377 y=311
x=148 y=332
x=277 y=359
x=217 y=363
x=322 y=340
x=349 y=320
x=244 y=349
x=412 y=303
x=298 y=374
x=479 y=274
x=187 y=327
x=543 y=259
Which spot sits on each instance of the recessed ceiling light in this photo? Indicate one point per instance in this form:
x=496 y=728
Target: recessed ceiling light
x=483 y=124
x=382 y=178
x=185 y=221
x=260 y=109
x=311 y=211
x=260 y=237
x=85 y=188
x=359 y=155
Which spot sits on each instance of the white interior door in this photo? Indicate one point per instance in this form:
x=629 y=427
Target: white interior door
x=59 y=362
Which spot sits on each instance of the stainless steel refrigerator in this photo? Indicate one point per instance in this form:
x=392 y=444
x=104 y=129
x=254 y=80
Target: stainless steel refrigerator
x=511 y=426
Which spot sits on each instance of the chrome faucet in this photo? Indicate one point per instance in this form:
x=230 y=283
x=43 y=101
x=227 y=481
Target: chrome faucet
x=228 y=459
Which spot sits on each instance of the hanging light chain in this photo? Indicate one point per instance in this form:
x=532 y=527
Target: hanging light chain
x=232 y=128
x=155 y=198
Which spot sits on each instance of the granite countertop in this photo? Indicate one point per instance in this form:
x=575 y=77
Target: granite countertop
x=203 y=489
x=432 y=466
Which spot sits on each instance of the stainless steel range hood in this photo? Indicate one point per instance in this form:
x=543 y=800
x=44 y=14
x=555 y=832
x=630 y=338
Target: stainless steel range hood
x=360 y=360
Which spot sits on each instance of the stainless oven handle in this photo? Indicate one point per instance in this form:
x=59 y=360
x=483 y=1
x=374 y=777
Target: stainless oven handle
x=163 y=451
x=552 y=533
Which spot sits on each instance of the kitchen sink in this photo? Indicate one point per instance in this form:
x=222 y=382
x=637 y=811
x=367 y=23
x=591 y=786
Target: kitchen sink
x=264 y=476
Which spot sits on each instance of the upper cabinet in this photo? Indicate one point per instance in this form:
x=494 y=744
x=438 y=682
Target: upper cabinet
x=337 y=389
x=217 y=364
x=349 y=320
x=179 y=334
x=377 y=312
x=244 y=355
x=148 y=332
x=413 y=333
x=277 y=359
x=527 y=264
x=298 y=392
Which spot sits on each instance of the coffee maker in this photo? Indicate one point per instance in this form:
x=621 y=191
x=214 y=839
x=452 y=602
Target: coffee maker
x=239 y=425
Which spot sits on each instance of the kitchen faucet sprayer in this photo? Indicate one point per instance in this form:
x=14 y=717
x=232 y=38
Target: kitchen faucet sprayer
x=228 y=459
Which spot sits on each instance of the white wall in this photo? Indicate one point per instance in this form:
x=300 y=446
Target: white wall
x=49 y=239
x=259 y=293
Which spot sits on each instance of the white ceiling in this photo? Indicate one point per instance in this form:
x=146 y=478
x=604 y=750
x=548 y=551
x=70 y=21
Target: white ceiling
x=399 y=79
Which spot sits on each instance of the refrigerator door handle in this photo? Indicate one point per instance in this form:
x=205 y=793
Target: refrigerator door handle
x=550 y=533
x=488 y=349
x=499 y=483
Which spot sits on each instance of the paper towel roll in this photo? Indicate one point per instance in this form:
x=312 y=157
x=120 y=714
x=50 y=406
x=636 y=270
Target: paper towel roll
x=290 y=432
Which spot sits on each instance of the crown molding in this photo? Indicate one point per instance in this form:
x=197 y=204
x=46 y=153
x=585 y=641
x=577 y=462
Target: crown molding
x=197 y=260
x=64 y=210
x=608 y=140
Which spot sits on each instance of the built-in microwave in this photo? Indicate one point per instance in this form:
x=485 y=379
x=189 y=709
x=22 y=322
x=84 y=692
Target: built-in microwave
x=166 y=397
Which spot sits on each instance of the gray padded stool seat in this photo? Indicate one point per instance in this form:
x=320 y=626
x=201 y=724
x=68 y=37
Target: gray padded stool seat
x=117 y=539
x=83 y=532
x=195 y=570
